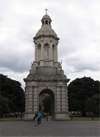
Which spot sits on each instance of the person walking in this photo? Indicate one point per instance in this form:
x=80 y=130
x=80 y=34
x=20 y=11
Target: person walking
x=38 y=117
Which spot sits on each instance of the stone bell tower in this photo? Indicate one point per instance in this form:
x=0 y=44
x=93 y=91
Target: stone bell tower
x=46 y=78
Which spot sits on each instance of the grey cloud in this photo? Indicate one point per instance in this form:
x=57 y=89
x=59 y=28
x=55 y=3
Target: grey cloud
x=75 y=22
x=16 y=57
x=16 y=63
x=81 y=63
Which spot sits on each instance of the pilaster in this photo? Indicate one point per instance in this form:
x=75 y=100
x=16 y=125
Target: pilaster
x=42 y=54
x=35 y=99
x=55 y=53
x=36 y=53
x=28 y=103
x=51 y=54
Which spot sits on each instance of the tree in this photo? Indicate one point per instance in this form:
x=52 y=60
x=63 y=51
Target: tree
x=93 y=105
x=79 y=91
x=12 y=97
x=4 y=108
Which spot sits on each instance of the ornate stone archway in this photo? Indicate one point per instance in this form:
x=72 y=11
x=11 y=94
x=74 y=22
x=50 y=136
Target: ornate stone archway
x=47 y=102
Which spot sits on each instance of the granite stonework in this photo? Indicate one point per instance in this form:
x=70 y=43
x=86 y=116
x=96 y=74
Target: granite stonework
x=46 y=74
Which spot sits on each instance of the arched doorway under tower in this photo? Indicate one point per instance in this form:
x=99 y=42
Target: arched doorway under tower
x=46 y=102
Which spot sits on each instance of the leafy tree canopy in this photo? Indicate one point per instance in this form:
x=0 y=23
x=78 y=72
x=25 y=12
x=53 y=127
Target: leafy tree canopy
x=79 y=91
x=11 y=95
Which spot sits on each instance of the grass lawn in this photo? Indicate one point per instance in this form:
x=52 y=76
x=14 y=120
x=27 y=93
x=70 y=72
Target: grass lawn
x=72 y=119
x=10 y=119
x=85 y=118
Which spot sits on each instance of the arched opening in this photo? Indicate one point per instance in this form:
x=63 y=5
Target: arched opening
x=46 y=22
x=46 y=102
x=46 y=51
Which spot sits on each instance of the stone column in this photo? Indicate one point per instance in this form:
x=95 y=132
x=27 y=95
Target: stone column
x=42 y=54
x=35 y=99
x=55 y=53
x=28 y=103
x=64 y=100
x=36 y=54
x=61 y=104
x=58 y=100
x=51 y=55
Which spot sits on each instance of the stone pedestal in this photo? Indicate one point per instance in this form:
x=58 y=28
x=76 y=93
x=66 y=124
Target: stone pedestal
x=42 y=78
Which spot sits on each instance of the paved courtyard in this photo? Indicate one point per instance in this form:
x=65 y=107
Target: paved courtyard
x=50 y=128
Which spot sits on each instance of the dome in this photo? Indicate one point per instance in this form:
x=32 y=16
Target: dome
x=46 y=17
x=46 y=29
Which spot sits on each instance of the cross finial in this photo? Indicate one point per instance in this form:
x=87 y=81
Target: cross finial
x=46 y=11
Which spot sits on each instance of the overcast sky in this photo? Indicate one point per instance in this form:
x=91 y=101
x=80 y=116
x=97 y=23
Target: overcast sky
x=77 y=23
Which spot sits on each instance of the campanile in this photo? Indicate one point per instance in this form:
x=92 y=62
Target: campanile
x=46 y=84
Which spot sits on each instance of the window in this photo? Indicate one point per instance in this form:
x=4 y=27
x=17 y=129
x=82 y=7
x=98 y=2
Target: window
x=46 y=22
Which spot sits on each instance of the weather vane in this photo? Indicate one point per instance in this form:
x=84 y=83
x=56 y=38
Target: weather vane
x=46 y=10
